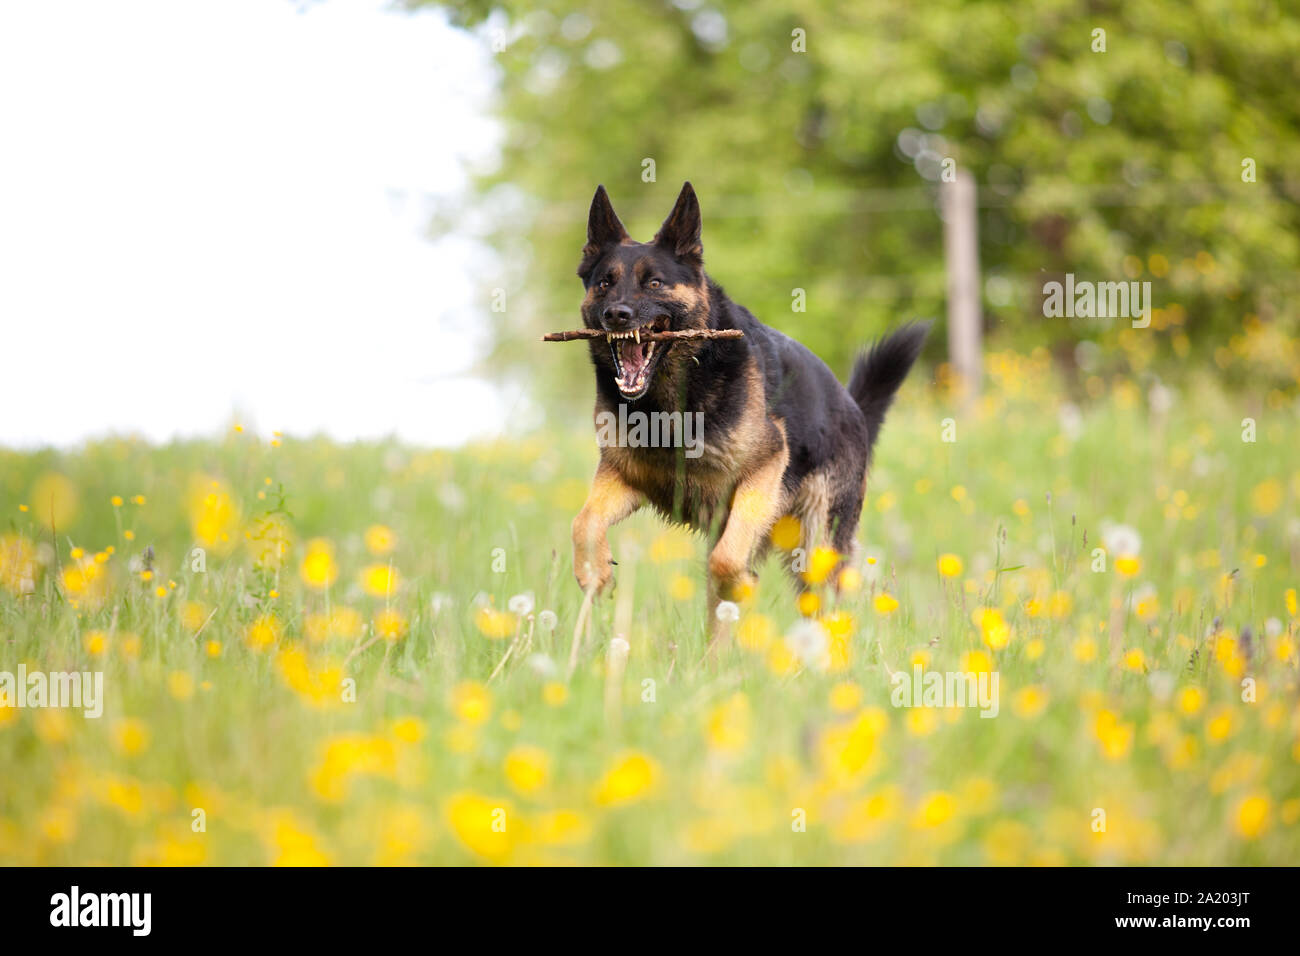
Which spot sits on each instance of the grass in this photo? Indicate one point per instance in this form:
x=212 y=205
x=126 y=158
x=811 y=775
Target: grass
x=316 y=685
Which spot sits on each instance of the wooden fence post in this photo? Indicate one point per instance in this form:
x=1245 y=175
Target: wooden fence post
x=961 y=255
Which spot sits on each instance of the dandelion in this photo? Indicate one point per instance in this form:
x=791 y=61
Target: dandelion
x=521 y=604
x=727 y=611
x=850 y=580
x=527 y=769
x=130 y=736
x=482 y=825
x=630 y=778
x=885 y=604
x=950 y=565
x=471 y=702
x=786 y=533
x=821 y=563
x=1252 y=816
x=1029 y=702
x=380 y=539
x=548 y=620
x=681 y=588
x=808 y=643
x=494 y=624
x=554 y=694
x=380 y=580
x=390 y=624
x=264 y=632
x=319 y=570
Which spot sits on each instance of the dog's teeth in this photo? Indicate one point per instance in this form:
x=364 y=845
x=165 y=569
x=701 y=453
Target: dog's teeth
x=637 y=333
x=608 y=337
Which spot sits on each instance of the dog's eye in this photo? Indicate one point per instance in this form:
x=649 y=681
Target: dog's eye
x=603 y=284
x=654 y=284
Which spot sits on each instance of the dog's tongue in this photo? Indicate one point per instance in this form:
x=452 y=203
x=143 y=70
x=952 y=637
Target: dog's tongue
x=633 y=356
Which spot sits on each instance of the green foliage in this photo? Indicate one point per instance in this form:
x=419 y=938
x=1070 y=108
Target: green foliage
x=1122 y=164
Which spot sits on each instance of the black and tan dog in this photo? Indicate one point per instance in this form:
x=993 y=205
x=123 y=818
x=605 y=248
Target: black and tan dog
x=781 y=436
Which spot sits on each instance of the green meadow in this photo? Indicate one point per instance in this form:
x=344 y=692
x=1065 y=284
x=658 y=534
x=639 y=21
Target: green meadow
x=315 y=653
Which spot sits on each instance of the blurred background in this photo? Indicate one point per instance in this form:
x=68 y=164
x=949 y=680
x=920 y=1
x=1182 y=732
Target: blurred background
x=355 y=217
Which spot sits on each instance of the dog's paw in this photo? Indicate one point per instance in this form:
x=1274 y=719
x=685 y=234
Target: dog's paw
x=593 y=573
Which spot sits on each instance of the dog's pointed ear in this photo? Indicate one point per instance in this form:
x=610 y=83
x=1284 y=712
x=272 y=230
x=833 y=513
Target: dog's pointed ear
x=680 y=232
x=603 y=226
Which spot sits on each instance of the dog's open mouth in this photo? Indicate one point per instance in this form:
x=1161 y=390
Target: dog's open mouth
x=634 y=359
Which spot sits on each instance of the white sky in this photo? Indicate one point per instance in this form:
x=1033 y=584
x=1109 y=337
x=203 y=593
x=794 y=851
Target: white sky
x=213 y=210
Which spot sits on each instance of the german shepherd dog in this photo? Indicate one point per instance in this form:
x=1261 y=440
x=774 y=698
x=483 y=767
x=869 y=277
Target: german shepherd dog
x=781 y=436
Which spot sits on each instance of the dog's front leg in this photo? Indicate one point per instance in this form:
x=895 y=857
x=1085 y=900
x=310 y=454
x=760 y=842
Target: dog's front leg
x=755 y=505
x=610 y=500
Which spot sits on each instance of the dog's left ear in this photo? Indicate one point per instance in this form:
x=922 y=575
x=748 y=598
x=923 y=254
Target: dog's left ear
x=680 y=232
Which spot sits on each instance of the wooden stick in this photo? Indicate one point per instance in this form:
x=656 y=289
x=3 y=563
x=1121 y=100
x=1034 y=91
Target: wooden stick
x=647 y=336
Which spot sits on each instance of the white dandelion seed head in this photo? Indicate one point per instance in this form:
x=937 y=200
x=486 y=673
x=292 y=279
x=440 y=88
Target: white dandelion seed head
x=521 y=604
x=542 y=665
x=1272 y=627
x=1161 y=684
x=548 y=620
x=440 y=602
x=807 y=641
x=1121 y=540
x=728 y=611
x=619 y=648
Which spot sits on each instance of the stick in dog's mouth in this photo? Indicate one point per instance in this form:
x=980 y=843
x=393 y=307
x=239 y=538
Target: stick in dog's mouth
x=634 y=351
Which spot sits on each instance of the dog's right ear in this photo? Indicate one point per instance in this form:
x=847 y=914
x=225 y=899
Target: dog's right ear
x=603 y=226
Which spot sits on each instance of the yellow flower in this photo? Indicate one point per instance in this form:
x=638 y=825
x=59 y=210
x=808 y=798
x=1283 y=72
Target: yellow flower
x=1253 y=816
x=808 y=603
x=527 y=769
x=846 y=697
x=850 y=580
x=1266 y=497
x=471 y=702
x=263 y=633
x=130 y=736
x=484 y=826
x=885 y=604
x=318 y=568
x=1291 y=605
x=1191 y=700
x=1085 y=650
x=1220 y=727
x=681 y=588
x=213 y=648
x=380 y=580
x=1029 y=702
x=631 y=776
x=380 y=539
x=54 y=500
x=116 y=501
x=1135 y=661
x=950 y=565
x=495 y=624
x=821 y=563
x=977 y=662
x=96 y=643
x=1116 y=738
x=787 y=533
x=390 y=624
x=994 y=630
x=180 y=685
x=729 y=724
x=935 y=809
x=1128 y=565
x=756 y=632
x=555 y=694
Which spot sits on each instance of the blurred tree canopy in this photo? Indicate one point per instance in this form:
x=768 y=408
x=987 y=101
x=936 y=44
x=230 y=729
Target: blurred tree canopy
x=814 y=134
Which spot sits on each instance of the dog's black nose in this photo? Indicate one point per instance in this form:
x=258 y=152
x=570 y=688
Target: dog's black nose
x=618 y=317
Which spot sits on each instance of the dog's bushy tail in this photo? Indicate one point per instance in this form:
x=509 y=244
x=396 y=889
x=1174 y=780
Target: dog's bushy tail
x=880 y=370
